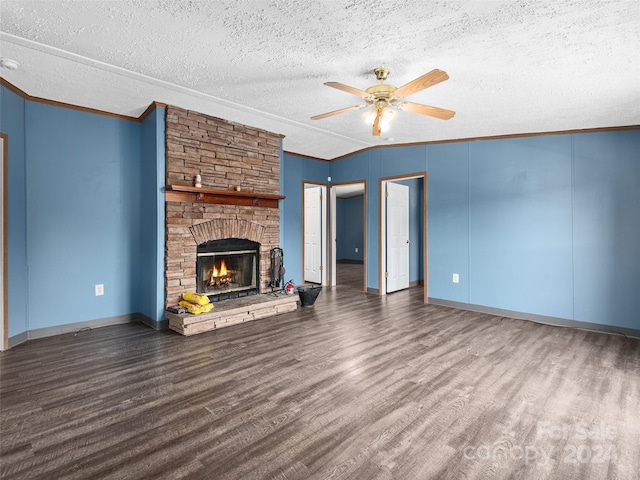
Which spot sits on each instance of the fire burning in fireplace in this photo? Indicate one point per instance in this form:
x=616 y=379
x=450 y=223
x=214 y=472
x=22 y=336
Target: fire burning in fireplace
x=228 y=268
x=220 y=276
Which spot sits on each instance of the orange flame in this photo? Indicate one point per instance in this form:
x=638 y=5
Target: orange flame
x=219 y=273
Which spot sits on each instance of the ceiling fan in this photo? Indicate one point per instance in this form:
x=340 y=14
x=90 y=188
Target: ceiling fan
x=383 y=97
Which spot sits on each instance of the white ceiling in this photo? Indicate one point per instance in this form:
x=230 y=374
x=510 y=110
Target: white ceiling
x=514 y=66
x=349 y=190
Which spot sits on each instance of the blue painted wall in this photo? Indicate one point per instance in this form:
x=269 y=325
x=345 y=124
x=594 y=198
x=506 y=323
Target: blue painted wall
x=544 y=225
x=606 y=228
x=364 y=166
x=12 y=120
x=350 y=228
x=520 y=225
x=153 y=215
x=86 y=206
x=372 y=165
x=83 y=215
x=367 y=166
x=448 y=221
x=294 y=170
x=403 y=161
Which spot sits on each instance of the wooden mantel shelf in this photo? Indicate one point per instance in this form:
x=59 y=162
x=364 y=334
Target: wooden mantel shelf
x=184 y=193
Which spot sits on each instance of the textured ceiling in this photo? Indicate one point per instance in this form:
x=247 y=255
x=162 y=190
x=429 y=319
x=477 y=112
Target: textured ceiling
x=514 y=66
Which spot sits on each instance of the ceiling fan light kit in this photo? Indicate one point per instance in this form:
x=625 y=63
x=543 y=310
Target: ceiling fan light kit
x=385 y=98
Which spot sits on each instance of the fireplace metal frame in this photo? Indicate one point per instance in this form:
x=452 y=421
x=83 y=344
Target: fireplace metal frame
x=229 y=246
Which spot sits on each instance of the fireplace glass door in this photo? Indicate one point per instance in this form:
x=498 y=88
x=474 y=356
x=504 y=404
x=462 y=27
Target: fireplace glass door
x=228 y=273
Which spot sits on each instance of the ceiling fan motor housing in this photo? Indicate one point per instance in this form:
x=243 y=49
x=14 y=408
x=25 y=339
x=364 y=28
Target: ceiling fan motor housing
x=380 y=92
x=382 y=73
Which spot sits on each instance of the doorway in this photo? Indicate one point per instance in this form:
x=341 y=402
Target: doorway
x=314 y=233
x=349 y=233
x=403 y=239
x=4 y=316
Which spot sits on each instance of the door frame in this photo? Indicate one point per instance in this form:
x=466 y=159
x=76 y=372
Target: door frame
x=323 y=233
x=332 y=244
x=4 y=327
x=382 y=231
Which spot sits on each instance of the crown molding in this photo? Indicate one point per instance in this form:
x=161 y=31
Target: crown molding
x=474 y=139
x=154 y=105
x=309 y=157
x=26 y=96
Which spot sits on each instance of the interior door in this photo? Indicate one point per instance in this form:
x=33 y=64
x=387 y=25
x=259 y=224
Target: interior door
x=397 y=255
x=313 y=234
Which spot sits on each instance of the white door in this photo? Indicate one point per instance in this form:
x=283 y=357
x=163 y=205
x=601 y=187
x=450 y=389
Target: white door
x=313 y=234
x=397 y=237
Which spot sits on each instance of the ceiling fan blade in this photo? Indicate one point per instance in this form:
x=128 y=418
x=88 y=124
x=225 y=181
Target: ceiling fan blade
x=348 y=89
x=425 y=81
x=337 y=112
x=436 y=112
x=377 y=129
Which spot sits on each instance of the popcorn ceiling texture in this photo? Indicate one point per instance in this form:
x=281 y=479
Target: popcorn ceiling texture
x=225 y=154
x=515 y=66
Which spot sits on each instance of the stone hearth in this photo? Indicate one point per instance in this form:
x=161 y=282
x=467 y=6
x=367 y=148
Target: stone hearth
x=232 y=312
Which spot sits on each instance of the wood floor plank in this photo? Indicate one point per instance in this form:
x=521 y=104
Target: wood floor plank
x=356 y=387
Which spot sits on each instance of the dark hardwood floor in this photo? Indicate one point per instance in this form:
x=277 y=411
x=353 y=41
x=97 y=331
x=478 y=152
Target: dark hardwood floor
x=350 y=275
x=356 y=387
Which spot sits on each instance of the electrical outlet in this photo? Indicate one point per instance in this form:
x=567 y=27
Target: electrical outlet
x=356 y=249
x=456 y=278
x=99 y=290
x=328 y=179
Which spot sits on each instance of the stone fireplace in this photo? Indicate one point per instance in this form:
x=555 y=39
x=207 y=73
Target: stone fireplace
x=238 y=201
